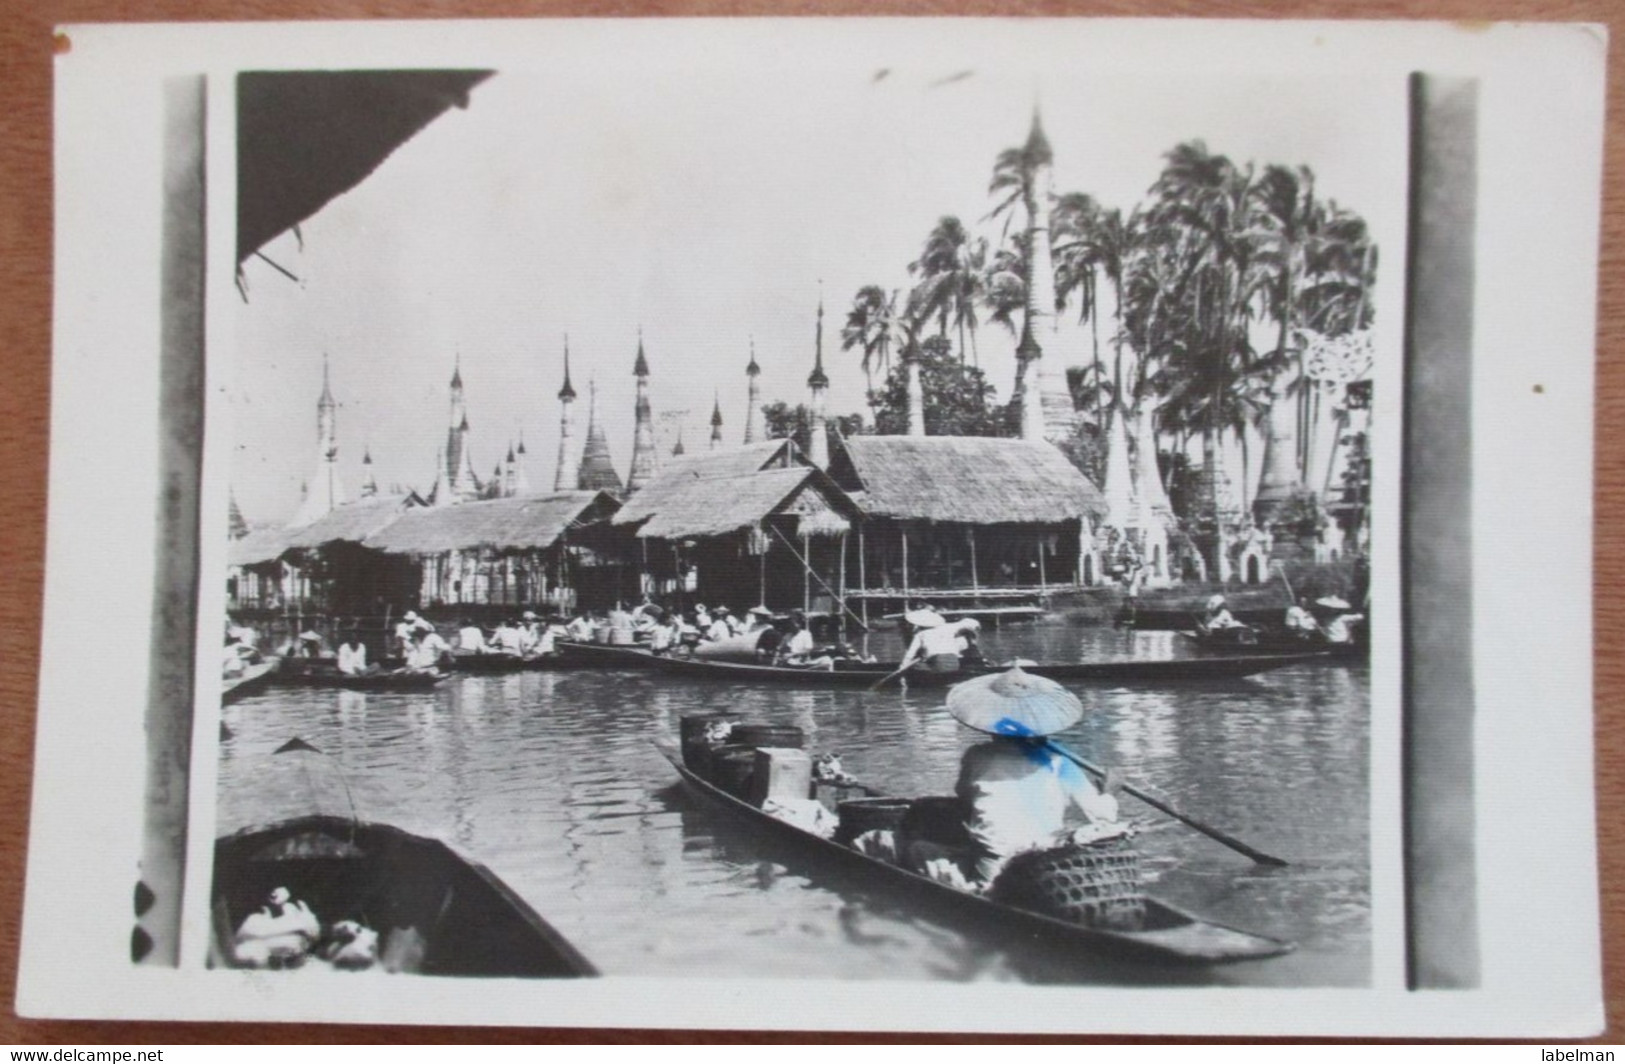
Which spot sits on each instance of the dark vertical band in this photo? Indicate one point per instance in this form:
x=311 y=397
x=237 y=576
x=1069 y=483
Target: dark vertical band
x=180 y=473
x=1436 y=538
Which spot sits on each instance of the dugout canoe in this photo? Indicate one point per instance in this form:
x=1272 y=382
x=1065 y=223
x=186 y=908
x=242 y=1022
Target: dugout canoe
x=435 y=912
x=252 y=678
x=322 y=673
x=1231 y=642
x=1168 y=934
x=863 y=674
x=498 y=661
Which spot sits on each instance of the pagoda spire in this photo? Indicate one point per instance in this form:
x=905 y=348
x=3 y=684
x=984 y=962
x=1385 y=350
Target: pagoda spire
x=322 y=490
x=1046 y=377
x=563 y=477
x=643 y=430
x=716 y=420
x=753 y=404
x=597 y=469
x=818 y=384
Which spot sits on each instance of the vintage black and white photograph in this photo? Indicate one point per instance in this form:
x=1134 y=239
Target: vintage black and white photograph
x=778 y=506
x=917 y=529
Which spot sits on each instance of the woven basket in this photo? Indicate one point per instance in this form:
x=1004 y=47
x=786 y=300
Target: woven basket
x=1097 y=885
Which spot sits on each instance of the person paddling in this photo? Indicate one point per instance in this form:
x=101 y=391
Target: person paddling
x=1017 y=792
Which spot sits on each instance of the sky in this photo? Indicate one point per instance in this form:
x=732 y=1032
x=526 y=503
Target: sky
x=712 y=204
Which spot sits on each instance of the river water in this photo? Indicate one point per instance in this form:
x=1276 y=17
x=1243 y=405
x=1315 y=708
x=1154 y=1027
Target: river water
x=550 y=779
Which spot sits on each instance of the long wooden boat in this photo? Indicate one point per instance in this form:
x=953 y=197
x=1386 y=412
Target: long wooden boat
x=249 y=680
x=324 y=673
x=434 y=911
x=1174 y=619
x=1273 y=641
x=605 y=655
x=863 y=674
x=499 y=661
x=1167 y=934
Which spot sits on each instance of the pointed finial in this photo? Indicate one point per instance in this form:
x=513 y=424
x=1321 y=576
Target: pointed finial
x=567 y=393
x=753 y=370
x=464 y=426
x=716 y=409
x=366 y=454
x=1038 y=149
x=510 y=458
x=327 y=388
x=640 y=368
x=521 y=441
x=818 y=378
x=457 y=371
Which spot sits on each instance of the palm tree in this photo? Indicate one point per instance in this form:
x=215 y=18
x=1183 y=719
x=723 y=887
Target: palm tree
x=950 y=269
x=1201 y=199
x=1004 y=284
x=1285 y=219
x=868 y=326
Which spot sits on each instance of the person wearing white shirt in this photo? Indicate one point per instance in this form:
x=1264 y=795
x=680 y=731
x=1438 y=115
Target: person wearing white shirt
x=719 y=629
x=938 y=648
x=352 y=656
x=427 y=647
x=470 y=639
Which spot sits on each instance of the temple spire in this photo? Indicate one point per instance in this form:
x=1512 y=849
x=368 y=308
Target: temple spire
x=753 y=404
x=322 y=491
x=643 y=431
x=597 y=470
x=716 y=420
x=818 y=384
x=563 y=476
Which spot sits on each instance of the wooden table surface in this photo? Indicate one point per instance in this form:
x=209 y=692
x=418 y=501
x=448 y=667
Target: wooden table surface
x=25 y=294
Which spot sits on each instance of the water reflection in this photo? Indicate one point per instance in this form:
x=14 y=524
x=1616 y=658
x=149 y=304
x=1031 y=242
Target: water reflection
x=552 y=780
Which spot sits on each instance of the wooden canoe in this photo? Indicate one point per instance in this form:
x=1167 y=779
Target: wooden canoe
x=1230 y=642
x=323 y=673
x=434 y=911
x=1168 y=934
x=863 y=674
x=249 y=680
x=499 y=661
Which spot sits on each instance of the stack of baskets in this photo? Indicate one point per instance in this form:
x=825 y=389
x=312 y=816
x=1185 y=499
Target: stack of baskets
x=1097 y=885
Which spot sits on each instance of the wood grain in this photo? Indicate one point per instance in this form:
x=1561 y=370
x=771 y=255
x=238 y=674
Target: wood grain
x=26 y=45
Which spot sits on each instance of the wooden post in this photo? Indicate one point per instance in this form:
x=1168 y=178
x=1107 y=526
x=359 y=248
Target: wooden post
x=806 y=575
x=970 y=534
x=863 y=581
x=842 y=586
x=1043 y=581
x=903 y=531
x=761 y=567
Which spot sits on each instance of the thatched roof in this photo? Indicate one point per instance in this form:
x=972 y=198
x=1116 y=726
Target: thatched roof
x=352 y=522
x=711 y=465
x=734 y=461
x=963 y=479
x=685 y=506
x=532 y=522
x=257 y=547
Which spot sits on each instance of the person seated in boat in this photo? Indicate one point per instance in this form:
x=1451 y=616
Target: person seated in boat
x=427 y=649
x=549 y=632
x=1337 y=619
x=938 y=647
x=236 y=659
x=410 y=622
x=530 y=633
x=663 y=636
x=1300 y=622
x=757 y=619
x=510 y=638
x=701 y=617
x=279 y=934
x=769 y=639
x=353 y=656
x=800 y=650
x=1218 y=615
x=471 y=638
x=920 y=616
x=970 y=647
x=580 y=628
x=719 y=628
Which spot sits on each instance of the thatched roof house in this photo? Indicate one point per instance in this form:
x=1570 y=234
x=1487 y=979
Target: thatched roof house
x=964 y=480
x=751 y=525
x=951 y=514
x=682 y=506
x=522 y=523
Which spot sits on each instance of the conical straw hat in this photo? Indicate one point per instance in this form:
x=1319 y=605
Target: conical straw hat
x=1014 y=703
x=924 y=618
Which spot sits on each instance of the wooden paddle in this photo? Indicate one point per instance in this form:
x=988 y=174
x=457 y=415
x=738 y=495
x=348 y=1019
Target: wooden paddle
x=889 y=677
x=1211 y=832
